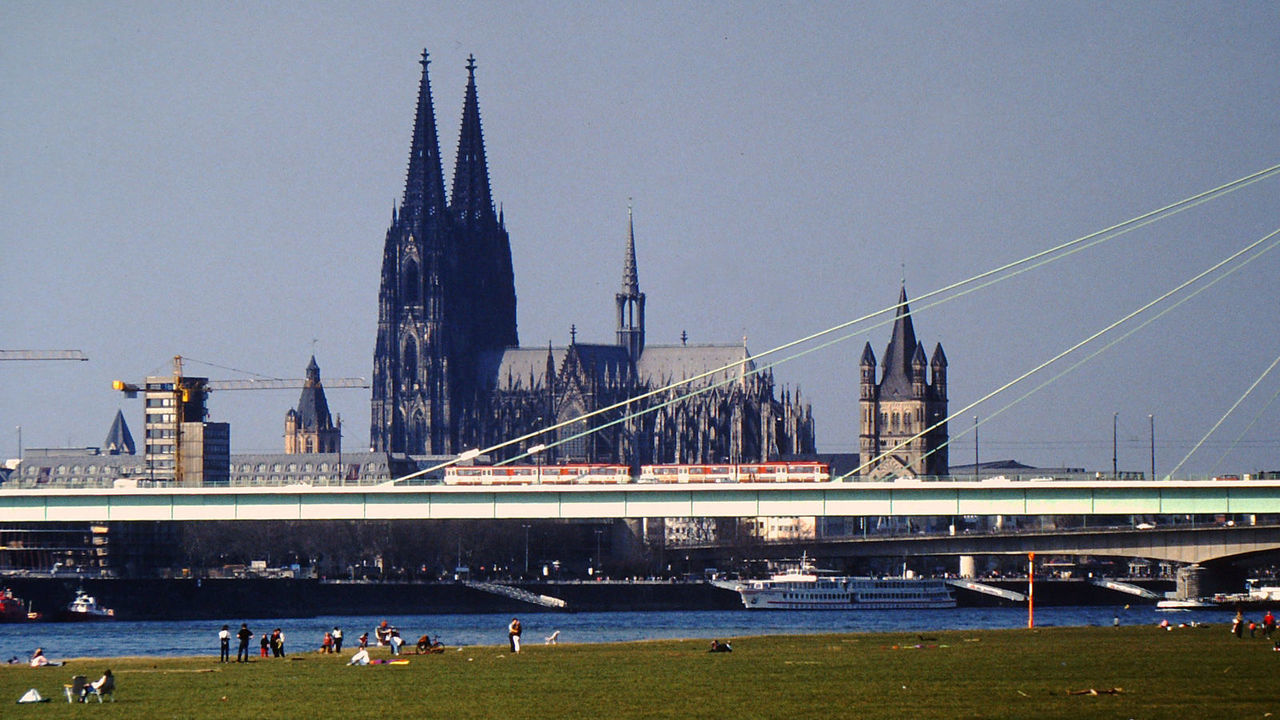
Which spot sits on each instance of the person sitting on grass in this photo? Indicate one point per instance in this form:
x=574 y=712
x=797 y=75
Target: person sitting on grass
x=38 y=659
x=360 y=658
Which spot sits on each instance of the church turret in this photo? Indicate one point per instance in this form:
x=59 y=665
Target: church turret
x=918 y=374
x=868 y=368
x=119 y=440
x=630 y=302
x=939 y=366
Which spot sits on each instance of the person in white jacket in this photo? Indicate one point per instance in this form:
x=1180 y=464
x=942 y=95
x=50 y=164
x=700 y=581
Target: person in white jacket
x=513 y=634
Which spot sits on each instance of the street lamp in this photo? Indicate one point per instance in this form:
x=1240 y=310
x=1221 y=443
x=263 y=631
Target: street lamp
x=975 y=447
x=526 y=548
x=1152 y=420
x=599 y=532
x=1115 y=419
x=536 y=452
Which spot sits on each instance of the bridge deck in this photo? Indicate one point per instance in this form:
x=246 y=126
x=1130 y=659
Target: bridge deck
x=842 y=499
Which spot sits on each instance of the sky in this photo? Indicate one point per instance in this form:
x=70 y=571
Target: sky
x=215 y=180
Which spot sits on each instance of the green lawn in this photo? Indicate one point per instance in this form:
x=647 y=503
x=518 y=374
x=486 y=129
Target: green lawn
x=1186 y=673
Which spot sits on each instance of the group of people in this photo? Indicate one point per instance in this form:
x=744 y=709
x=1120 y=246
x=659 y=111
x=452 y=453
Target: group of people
x=332 y=641
x=272 y=642
x=104 y=685
x=1239 y=624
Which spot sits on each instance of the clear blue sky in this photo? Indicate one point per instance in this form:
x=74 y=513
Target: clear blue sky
x=216 y=180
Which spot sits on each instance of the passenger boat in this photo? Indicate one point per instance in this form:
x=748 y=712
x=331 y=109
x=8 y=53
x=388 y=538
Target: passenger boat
x=1174 y=605
x=807 y=588
x=84 y=608
x=1257 y=594
x=13 y=610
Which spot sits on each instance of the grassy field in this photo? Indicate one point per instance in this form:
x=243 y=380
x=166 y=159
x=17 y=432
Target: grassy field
x=1138 y=672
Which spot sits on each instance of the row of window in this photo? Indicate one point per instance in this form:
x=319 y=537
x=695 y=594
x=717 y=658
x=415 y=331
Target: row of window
x=112 y=470
x=246 y=468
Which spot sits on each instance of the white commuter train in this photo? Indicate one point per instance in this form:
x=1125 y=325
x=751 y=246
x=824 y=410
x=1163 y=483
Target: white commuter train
x=595 y=473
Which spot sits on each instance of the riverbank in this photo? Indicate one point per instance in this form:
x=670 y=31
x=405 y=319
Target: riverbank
x=213 y=599
x=1135 y=671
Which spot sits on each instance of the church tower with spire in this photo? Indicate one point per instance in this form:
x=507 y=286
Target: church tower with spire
x=310 y=428
x=904 y=404
x=630 y=302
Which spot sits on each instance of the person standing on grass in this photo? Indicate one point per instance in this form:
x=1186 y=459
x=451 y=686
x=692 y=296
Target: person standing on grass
x=277 y=643
x=242 y=654
x=337 y=639
x=224 y=644
x=513 y=634
x=264 y=644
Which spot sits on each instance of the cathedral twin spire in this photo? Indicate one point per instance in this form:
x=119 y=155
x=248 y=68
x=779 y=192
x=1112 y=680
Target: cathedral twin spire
x=472 y=201
x=448 y=288
x=424 y=181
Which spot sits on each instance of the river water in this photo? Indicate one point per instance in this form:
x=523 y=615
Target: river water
x=186 y=638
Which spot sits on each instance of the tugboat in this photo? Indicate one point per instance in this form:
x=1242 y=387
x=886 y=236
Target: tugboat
x=85 y=608
x=13 y=610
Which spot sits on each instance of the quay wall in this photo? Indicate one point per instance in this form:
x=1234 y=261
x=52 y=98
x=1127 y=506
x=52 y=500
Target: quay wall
x=218 y=599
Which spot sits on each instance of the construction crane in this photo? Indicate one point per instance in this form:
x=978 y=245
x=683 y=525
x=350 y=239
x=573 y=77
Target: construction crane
x=42 y=355
x=180 y=398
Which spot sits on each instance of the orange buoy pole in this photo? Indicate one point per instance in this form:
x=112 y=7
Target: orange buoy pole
x=1031 y=590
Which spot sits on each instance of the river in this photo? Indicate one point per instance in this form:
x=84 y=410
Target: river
x=192 y=637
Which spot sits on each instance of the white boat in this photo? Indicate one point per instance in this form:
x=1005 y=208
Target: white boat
x=1180 y=605
x=85 y=607
x=806 y=588
x=1256 y=594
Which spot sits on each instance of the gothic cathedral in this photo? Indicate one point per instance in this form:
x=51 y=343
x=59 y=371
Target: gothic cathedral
x=450 y=375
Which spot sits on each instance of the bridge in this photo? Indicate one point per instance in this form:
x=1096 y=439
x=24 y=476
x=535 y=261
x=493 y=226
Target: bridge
x=1176 y=543
x=901 y=498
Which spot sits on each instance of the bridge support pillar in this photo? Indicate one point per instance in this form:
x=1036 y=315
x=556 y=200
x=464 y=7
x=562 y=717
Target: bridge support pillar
x=1190 y=581
x=968 y=567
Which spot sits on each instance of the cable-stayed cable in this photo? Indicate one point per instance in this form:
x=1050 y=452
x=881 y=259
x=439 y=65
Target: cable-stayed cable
x=1034 y=260
x=1225 y=415
x=1189 y=296
x=869 y=463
